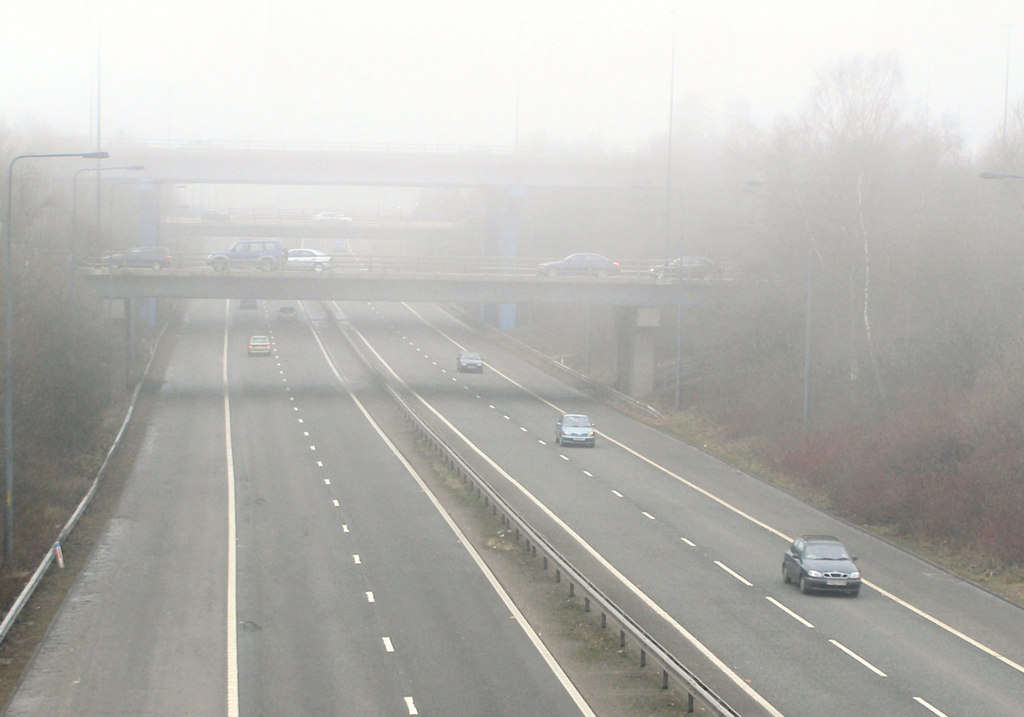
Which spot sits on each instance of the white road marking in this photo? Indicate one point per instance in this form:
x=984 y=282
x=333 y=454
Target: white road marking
x=647 y=515
x=327 y=481
x=356 y=560
x=336 y=503
x=232 y=577
x=617 y=494
x=689 y=542
x=388 y=647
x=563 y=456
x=312 y=448
x=858 y=658
x=588 y=474
x=369 y=596
x=523 y=429
x=411 y=705
x=732 y=572
x=786 y=610
x=301 y=420
x=344 y=527
x=929 y=707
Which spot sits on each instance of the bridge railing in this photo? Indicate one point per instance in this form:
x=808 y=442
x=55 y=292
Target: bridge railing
x=431 y=265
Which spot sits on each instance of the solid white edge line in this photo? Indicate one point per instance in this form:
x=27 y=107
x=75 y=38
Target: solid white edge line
x=518 y=616
x=232 y=607
x=640 y=594
x=725 y=504
x=858 y=658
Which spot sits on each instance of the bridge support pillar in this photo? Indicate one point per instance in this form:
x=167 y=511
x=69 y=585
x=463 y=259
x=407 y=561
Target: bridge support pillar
x=636 y=333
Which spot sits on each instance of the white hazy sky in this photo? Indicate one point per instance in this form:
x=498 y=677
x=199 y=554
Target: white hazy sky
x=460 y=72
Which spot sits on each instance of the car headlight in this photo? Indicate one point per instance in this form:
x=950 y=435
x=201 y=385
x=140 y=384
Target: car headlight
x=855 y=575
x=813 y=574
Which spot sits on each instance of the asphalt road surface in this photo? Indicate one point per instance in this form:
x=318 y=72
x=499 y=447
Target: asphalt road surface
x=273 y=555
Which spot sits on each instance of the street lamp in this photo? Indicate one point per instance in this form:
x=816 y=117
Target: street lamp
x=9 y=351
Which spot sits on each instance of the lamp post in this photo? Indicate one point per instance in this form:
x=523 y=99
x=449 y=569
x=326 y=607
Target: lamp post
x=9 y=351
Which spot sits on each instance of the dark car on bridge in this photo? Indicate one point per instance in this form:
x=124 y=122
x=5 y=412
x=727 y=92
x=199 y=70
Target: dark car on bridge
x=695 y=268
x=820 y=563
x=581 y=264
x=265 y=254
x=141 y=257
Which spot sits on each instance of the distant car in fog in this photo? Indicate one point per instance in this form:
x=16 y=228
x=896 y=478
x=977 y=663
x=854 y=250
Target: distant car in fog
x=259 y=346
x=469 y=362
x=310 y=259
x=288 y=313
x=687 y=267
x=141 y=257
x=581 y=264
x=330 y=217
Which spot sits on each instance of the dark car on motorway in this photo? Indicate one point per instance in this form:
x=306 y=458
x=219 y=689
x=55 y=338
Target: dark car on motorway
x=820 y=563
x=574 y=429
x=265 y=254
x=469 y=362
x=141 y=257
x=581 y=264
x=259 y=346
x=695 y=268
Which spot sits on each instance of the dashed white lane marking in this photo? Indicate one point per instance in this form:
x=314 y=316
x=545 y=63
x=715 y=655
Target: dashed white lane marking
x=369 y=596
x=301 y=420
x=563 y=456
x=734 y=574
x=523 y=429
x=689 y=542
x=411 y=705
x=647 y=515
x=858 y=658
x=388 y=647
x=617 y=494
x=306 y=434
x=319 y=464
x=344 y=527
x=336 y=503
x=356 y=560
x=327 y=481
x=934 y=710
x=588 y=474
x=312 y=448
x=789 y=612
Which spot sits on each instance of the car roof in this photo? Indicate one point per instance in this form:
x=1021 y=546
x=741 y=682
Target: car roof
x=575 y=415
x=259 y=338
x=820 y=539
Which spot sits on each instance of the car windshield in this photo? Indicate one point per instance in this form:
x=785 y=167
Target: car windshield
x=576 y=421
x=826 y=551
x=470 y=356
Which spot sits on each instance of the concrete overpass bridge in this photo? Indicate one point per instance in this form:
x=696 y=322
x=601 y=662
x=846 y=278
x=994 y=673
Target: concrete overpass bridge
x=636 y=300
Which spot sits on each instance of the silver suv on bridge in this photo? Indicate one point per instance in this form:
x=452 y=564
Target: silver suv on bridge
x=264 y=254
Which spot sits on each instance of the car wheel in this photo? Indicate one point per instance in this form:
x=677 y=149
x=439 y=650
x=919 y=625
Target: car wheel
x=220 y=265
x=855 y=593
x=785 y=576
x=803 y=585
x=558 y=440
x=317 y=268
x=265 y=265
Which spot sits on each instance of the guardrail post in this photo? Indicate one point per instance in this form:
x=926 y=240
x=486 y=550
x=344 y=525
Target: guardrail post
x=643 y=657
x=586 y=604
x=558 y=575
x=572 y=589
